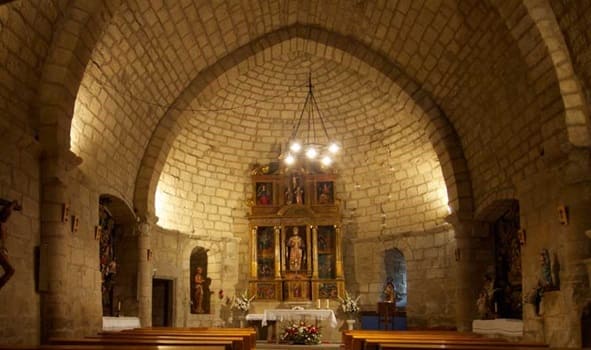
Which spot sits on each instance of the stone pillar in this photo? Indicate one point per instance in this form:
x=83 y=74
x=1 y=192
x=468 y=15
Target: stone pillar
x=145 y=270
x=470 y=268
x=56 y=315
x=575 y=192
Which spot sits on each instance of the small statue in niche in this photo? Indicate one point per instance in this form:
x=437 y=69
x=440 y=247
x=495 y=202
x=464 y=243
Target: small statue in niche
x=201 y=286
x=389 y=291
x=295 y=249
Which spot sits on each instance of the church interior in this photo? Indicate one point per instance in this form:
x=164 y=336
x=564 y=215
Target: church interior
x=148 y=172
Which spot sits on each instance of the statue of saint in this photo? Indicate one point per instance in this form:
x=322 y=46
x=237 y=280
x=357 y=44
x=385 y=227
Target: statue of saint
x=199 y=291
x=295 y=250
x=389 y=292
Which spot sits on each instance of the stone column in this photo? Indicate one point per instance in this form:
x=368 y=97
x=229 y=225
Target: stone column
x=575 y=192
x=56 y=315
x=469 y=270
x=145 y=270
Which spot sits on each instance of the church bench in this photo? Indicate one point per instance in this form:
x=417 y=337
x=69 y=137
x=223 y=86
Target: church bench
x=227 y=346
x=395 y=346
x=240 y=341
x=249 y=334
x=353 y=339
x=229 y=343
x=366 y=340
x=377 y=344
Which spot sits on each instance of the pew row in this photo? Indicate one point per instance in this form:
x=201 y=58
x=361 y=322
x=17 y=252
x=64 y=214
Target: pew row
x=227 y=343
x=118 y=347
x=248 y=334
x=374 y=340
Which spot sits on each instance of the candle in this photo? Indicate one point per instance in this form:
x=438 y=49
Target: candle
x=327 y=303
x=318 y=304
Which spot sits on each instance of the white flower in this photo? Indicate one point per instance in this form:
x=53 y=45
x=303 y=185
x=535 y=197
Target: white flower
x=348 y=304
x=242 y=302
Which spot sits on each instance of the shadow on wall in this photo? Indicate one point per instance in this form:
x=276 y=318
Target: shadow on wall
x=586 y=326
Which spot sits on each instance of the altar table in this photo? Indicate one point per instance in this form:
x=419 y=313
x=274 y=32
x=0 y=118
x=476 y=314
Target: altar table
x=119 y=323
x=290 y=314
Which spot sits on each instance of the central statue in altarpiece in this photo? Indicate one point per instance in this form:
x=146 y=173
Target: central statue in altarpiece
x=295 y=240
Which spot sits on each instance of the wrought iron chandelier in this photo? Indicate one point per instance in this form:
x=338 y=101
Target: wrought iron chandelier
x=311 y=141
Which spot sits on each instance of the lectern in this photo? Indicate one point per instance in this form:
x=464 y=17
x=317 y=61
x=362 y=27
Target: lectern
x=386 y=311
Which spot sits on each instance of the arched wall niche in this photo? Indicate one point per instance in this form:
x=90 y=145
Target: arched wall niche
x=199 y=281
x=395 y=266
x=118 y=251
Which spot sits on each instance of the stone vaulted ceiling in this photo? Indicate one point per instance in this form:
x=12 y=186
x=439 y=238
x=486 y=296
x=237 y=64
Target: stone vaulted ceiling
x=221 y=81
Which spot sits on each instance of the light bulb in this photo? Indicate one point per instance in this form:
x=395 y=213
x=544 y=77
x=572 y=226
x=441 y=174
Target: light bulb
x=295 y=146
x=311 y=153
x=289 y=160
x=333 y=148
x=326 y=160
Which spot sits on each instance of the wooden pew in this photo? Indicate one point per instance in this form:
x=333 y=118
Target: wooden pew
x=388 y=346
x=377 y=344
x=117 y=347
x=229 y=343
x=372 y=340
x=248 y=334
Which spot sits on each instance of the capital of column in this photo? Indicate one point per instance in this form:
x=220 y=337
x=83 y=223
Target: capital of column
x=145 y=224
x=58 y=164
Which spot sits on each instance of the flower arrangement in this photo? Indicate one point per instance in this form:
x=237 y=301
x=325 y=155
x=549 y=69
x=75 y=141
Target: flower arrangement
x=301 y=334
x=348 y=304
x=242 y=302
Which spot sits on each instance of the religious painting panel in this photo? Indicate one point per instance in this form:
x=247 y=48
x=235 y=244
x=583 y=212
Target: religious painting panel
x=328 y=290
x=325 y=266
x=326 y=252
x=265 y=244
x=266 y=291
x=324 y=192
x=298 y=289
x=264 y=193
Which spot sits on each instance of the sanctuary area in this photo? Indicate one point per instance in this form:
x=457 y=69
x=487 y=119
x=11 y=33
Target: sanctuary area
x=233 y=174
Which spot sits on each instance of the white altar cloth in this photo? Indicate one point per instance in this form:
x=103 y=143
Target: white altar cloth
x=119 y=323
x=500 y=326
x=289 y=314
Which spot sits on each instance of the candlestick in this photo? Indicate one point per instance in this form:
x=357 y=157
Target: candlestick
x=318 y=306
x=328 y=303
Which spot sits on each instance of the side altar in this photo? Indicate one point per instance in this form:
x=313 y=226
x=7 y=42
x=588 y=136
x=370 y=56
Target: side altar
x=295 y=235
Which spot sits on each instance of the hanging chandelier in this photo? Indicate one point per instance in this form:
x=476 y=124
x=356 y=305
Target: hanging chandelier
x=310 y=141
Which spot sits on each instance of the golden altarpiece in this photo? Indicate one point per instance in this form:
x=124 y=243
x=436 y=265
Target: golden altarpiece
x=295 y=235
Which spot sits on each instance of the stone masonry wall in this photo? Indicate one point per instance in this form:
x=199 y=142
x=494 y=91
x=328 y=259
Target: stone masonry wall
x=84 y=278
x=430 y=273
x=19 y=180
x=559 y=319
x=172 y=253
